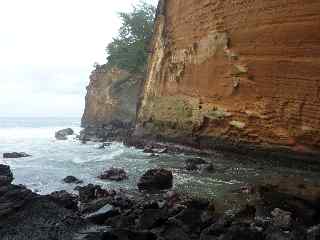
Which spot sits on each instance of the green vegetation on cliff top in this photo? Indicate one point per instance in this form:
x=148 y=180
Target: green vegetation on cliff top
x=129 y=50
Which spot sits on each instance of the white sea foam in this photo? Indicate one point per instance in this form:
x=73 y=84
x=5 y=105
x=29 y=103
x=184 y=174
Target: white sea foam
x=52 y=160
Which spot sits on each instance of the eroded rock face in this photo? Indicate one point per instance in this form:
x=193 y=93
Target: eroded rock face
x=236 y=72
x=111 y=101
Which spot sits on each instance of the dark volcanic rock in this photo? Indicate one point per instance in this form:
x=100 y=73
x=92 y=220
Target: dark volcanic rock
x=122 y=201
x=151 y=205
x=114 y=234
x=65 y=199
x=72 y=179
x=156 y=179
x=26 y=215
x=174 y=232
x=276 y=233
x=215 y=230
x=113 y=131
x=122 y=221
x=91 y=233
x=242 y=232
x=12 y=198
x=172 y=197
x=87 y=193
x=208 y=168
x=194 y=217
x=94 y=205
x=40 y=219
x=100 y=216
x=303 y=210
x=189 y=220
x=114 y=174
x=62 y=134
x=6 y=176
x=151 y=218
x=281 y=218
x=239 y=231
x=123 y=234
x=201 y=204
x=192 y=164
x=16 y=155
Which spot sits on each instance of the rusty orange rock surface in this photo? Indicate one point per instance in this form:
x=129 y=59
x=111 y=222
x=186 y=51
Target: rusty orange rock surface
x=235 y=70
x=112 y=95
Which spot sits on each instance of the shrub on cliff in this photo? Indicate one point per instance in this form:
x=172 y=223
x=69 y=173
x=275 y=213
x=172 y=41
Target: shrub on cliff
x=129 y=50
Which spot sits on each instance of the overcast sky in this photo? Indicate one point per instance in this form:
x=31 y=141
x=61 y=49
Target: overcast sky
x=47 y=51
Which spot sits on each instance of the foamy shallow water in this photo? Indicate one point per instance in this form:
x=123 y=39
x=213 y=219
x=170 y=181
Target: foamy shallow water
x=52 y=160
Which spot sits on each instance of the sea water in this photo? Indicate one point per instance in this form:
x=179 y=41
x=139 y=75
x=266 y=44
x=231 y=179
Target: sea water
x=52 y=160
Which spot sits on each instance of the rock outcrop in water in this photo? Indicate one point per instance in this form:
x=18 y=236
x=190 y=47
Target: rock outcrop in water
x=111 y=103
x=235 y=73
x=114 y=174
x=16 y=155
x=63 y=134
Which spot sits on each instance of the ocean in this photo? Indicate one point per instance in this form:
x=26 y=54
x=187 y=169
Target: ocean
x=52 y=160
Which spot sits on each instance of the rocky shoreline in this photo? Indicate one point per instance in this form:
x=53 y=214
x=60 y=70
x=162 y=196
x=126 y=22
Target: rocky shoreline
x=116 y=131
x=268 y=212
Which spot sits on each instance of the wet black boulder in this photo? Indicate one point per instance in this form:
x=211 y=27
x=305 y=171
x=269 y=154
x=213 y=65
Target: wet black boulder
x=114 y=174
x=62 y=134
x=156 y=179
x=72 y=179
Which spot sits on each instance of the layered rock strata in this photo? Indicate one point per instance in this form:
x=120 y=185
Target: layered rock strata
x=235 y=73
x=111 y=101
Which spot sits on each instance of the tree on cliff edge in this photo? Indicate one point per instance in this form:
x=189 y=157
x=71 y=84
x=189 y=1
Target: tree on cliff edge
x=129 y=50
